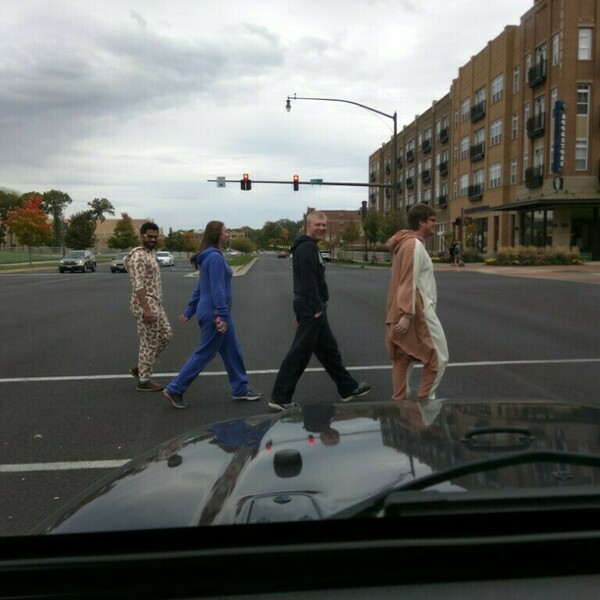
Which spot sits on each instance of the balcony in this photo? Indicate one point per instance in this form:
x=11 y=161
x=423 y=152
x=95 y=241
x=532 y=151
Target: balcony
x=445 y=135
x=443 y=168
x=477 y=152
x=410 y=155
x=535 y=125
x=410 y=183
x=399 y=162
x=478 y=111
x=442 y=201
x=372 y=198
x=537 y=74
x=426 y=175
x=534 y=177
x=372 y=177
x=399 y=187
x=388 y=169
x=475 y=192
x=426 y=146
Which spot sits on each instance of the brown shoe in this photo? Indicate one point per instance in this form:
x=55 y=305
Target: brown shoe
x=149 y=386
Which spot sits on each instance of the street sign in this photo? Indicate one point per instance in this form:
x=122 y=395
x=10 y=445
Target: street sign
x=220 y=181
x=316 y=181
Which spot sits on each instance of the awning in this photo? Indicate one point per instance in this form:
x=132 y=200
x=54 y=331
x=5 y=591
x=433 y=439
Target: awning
x=546 y=203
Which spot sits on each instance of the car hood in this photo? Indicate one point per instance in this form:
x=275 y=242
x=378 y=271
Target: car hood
x=317 y=461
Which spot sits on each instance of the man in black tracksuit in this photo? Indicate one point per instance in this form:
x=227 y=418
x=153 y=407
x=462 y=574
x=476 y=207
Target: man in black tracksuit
x=313 y=333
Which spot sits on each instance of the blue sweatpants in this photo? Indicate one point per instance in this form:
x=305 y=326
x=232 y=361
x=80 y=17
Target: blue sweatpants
x=211 y=342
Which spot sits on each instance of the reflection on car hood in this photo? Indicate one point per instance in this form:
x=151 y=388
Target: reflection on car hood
x=323 y=458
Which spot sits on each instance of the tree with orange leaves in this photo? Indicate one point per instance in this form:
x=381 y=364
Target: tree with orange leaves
x=29 y=223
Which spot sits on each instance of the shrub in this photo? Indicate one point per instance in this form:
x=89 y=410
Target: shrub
x=534 y=256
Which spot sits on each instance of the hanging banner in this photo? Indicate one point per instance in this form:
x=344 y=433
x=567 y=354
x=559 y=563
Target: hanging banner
x=558 y=149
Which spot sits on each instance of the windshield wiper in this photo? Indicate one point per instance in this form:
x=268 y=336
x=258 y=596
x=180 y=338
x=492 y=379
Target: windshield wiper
x=369 y=507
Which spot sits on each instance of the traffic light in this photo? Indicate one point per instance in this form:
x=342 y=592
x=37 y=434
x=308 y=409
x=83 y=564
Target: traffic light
x=296 y=182
x=245 y=183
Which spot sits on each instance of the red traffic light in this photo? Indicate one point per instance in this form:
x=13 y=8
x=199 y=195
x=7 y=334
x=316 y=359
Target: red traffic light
x=296 y=182
x=245 y=182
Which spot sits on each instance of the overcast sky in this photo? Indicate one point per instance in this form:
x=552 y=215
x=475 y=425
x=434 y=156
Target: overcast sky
x=143 y=101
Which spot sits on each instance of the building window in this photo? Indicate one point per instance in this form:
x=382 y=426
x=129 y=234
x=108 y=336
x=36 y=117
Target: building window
x=581 y=154
x=479 y=136
x=496 y=132
x=516 y=80
x=495 y=175
x=514 y=131
x=464 y=185
x=427 y=196
x=583 y=99
x=497 y=88
x=480 y=95
x=464 y=147
x=478 y=177
x=465 y=110
x=513 y=171
x=584 y=51
x=527 y=67
x=555 y=49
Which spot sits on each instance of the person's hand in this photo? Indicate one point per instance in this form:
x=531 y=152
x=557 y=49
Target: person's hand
x=148 y=316
x=402 y=325
x=183 y=319
x=221 y=325
x=317 y=315
x=296 y=323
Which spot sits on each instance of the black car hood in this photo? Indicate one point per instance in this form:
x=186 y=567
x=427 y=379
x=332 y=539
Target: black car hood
x=319 y=460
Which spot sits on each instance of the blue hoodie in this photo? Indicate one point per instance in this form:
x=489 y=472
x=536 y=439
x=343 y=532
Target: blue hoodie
x=212 y=296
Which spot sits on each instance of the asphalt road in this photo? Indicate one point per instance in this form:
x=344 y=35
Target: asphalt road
x=70 y=412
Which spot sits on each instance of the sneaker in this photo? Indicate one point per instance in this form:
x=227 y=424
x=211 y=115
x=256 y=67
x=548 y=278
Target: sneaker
x=362 y=390
x=176 y=400
x=135 y=372
x=149 y=386
x=250 y=395
x=283 y=406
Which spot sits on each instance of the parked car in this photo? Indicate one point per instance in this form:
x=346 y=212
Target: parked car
x=282 y=255
x=117 y=265
x=165 y=259
x=77 y=260
x=326 y=255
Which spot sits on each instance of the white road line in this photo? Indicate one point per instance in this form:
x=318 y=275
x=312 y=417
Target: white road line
x=490 y=363
x=63 y=466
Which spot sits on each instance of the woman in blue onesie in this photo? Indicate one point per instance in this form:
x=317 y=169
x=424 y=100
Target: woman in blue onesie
x=211 y=303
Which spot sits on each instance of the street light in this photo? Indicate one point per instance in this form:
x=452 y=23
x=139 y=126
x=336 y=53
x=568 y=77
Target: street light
x=394 y=117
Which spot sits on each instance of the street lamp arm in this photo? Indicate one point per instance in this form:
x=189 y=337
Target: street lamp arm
x=294 y=97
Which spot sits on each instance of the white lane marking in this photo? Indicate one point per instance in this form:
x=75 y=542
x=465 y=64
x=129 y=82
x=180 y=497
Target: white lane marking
x=489 y=363
x=63 y=466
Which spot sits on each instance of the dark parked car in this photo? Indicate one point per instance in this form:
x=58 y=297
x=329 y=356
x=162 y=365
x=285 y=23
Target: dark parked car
x=371 y=460
x=77 y=260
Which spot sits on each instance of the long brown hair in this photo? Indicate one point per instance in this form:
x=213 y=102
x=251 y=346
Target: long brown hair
x=210 y=238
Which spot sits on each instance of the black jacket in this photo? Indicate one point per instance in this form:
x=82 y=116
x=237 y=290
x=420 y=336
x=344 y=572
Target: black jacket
x=309 y=272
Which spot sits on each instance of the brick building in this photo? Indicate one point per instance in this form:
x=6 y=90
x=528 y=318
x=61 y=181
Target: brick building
x=511 y=155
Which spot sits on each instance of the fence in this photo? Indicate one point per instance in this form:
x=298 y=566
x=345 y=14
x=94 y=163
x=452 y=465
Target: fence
x=22 y=254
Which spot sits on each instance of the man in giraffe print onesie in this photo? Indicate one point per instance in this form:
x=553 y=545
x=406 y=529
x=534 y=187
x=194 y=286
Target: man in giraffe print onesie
x=154 y=329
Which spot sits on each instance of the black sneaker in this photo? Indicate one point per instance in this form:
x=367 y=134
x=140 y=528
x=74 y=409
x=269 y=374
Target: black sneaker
x=149 y=386
x=362 y=390
x=135 y=372
x=250 y=395
x=176 y=400
x=284 y=406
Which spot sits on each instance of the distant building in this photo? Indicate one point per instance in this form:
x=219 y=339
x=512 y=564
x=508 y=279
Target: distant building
x=337 y=221
x=105 y=229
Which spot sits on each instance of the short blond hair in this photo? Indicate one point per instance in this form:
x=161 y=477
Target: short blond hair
x=316 y=214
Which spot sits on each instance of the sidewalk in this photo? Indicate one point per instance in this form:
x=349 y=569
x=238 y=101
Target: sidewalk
x=587 y=273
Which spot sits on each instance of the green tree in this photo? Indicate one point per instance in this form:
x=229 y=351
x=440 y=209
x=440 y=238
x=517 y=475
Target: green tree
x=174 y=241
x=189 y=242
x=124 y=236
x=242 y=245
x=99 y=206
x=54 y=204
x=372 y=226
x=80 y=233
x=29 y=223
x=9 y=200
x=394 y=221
